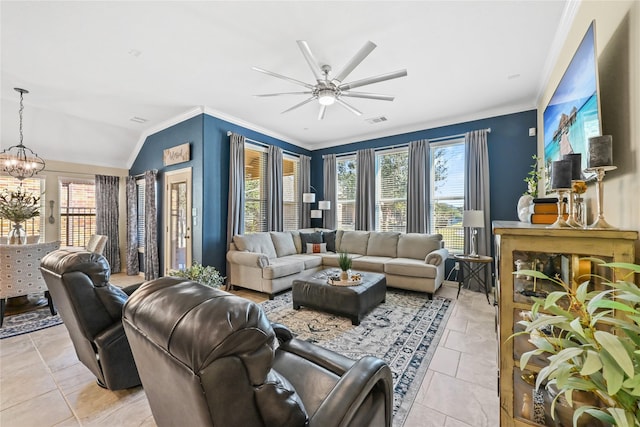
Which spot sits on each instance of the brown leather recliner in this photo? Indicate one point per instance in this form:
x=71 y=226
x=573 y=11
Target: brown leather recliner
x=210 y=358
x=91 y=309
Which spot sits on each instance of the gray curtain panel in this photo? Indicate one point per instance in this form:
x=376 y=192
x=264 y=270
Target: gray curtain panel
x=418 y=187
x=330 y=191
x=133 y=266
x=477 y=194
x=151 y=263
x=107 y=217
x=305 y=187
x=366 y=189
x=235 y=206
x=275 y=221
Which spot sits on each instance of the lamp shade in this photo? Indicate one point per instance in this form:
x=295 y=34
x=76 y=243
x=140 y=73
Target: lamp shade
x=316 y=213
x=325 y=205
x=474 y=219
x=308 y=197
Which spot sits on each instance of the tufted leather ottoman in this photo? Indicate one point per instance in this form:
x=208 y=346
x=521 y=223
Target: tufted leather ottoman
x=352 y=301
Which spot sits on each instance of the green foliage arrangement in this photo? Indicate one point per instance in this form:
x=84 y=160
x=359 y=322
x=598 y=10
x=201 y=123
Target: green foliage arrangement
x=533 y=177
x=206 y=275
x=18 y=206
x=593 y=345
x=344 y=261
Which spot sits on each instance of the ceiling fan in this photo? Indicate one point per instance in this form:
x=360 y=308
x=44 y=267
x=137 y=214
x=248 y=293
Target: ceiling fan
x=329 y=90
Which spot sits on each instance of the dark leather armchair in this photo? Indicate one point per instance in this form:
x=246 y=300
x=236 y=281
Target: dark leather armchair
x=210 y=358
x=91 y=309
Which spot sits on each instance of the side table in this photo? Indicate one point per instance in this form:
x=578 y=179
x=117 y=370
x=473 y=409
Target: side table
x=471 y=267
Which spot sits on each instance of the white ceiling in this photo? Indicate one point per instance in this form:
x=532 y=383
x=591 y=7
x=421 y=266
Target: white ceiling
x=92 y=66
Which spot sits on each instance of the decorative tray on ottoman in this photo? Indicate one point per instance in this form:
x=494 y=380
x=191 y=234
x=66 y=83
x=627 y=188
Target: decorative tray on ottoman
x=354 y=280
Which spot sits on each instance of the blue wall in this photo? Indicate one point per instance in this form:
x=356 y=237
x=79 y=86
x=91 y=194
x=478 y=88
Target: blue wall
x=210 y=169
x=510 y=151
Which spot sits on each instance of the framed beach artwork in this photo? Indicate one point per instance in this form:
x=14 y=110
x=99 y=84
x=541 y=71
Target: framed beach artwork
x=573 y=114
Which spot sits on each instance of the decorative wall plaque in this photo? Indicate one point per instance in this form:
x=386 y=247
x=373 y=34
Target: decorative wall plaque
x=177 y=154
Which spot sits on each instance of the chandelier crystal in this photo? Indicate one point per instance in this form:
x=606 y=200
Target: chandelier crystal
x=19 y=161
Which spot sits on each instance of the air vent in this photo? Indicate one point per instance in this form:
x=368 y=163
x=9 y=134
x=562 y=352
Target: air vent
x=138 y=119
x=375 y=120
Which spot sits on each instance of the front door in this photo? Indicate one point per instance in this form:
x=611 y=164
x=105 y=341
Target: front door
x=177 y=219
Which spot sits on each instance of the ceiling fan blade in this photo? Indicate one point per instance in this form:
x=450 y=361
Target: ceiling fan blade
x=280 y=76
x=323 y=109
x=311 y=60
x=377 y=96
x=371 y=80
x=299 y=105
x=349 y=107
x=354 y=62
x=283 y=93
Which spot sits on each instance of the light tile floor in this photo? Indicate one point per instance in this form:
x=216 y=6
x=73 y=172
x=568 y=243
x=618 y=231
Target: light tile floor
x=42 y=383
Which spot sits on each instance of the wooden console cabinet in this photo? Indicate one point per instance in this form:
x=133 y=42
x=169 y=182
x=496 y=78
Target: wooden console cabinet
x=555 y=252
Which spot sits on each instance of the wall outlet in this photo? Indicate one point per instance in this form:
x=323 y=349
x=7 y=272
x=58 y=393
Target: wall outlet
x=456 y=266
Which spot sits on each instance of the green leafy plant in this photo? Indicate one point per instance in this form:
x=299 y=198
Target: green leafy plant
x=18 y=206
x=206 y=275
x=344 y=261
x=533 y=177
x=592 y=342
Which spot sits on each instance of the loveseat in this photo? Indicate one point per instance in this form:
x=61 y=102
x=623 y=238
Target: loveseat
x=269 y=262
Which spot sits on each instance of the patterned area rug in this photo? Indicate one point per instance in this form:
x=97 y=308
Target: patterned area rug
x=404 y=331
x=23 y=323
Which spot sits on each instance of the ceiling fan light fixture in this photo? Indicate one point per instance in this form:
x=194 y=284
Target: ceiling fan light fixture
x=326 y=97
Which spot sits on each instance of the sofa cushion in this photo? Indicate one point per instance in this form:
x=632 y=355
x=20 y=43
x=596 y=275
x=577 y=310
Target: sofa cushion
x=283 y=243
x=316 y=248
x=315 y=237
x=256 y=242
x=310 y=261
x=296 y=240
x=329 y=237
x=410 y=267
x=281 y=267
x=355 y=242
x=330 y=259
x=370 y=263
x=417 y=245
x=383 y=244
x=339 y=234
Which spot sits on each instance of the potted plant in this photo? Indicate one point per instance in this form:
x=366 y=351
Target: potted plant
x=592 y=343
x=345 y=265
x=206 y=275
x=17 y=207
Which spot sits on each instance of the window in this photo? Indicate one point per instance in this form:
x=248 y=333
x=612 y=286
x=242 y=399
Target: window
x=392 y=169
x=290 y=196
x=33 y=226
x=346 y=175
x=255 y=189
x=447 y=192
x=140 y=214
x=77 y=211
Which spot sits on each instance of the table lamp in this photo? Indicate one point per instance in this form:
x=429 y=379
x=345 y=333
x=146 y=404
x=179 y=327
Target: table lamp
x=473 y=220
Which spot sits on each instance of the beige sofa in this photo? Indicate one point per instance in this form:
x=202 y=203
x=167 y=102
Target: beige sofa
x=269 y=262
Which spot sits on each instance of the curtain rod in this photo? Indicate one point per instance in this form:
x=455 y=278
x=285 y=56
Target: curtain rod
x=442 y=138
x=264 y=144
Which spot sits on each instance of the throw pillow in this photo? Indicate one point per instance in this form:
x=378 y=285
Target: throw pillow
x=316 y=248
x=310 y=238
x=329 y=237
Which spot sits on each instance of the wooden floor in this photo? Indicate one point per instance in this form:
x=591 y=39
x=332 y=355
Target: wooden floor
x=43 y=383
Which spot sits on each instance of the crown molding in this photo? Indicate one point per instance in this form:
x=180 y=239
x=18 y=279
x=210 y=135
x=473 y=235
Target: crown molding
x=559 y=39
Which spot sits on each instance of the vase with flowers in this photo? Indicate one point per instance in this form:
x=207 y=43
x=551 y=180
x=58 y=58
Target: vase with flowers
x=532 y=179
x=17 y=207
x=344 y=262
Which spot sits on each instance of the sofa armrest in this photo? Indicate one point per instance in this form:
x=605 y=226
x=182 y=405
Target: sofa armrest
x=346 y=398
x=250 y=259
x=437 y=257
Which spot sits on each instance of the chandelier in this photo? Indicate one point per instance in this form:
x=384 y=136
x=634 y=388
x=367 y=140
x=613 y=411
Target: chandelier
x=19 y=161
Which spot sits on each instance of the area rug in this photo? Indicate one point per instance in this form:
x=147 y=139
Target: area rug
x=404 y=332
x=23 y=323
